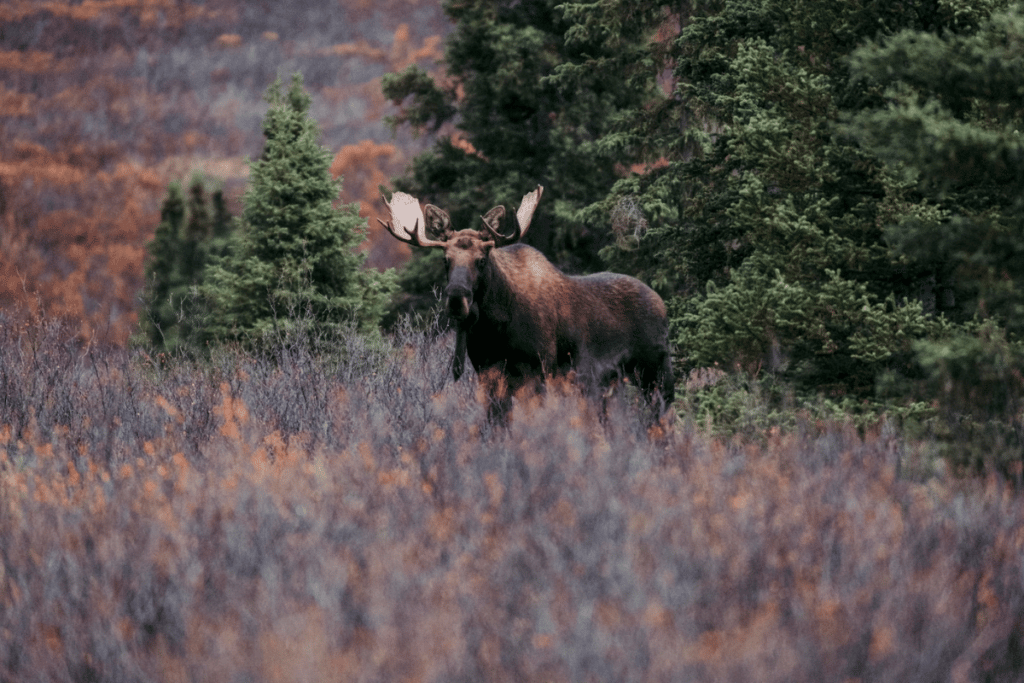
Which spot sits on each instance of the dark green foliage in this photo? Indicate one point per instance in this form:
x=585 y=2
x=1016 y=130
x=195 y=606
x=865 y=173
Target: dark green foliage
x=189 y=236
x=430 y=107
x=976 y=375
x=161 y=271
x=950 y=128
x=522 y=127
x=420 y=285
x=947 y=123
x=832 y=191
x=968 y=389
x=763 y=216
x=296 y=259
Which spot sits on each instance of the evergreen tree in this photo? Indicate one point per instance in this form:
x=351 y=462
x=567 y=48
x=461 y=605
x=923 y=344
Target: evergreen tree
x=948 y=124
x=222 y=220
x=198 y=229
x=295 y=261
x=186 y=239
x=762 y=216
x=947 y=121
x=515 y=129
x=161 y=297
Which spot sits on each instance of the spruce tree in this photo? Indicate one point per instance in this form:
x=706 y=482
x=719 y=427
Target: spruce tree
x=948 y=123
x=185 y=241
x=222 y=220
x=764 y=221
x=161 y=297
x=197 y=230
x=296 y=259
x=947 y=120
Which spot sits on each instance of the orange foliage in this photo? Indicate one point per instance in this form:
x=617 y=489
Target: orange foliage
x=360 y=48
x=150 y=12
x=232 y=412
x=390 y=5
x=32 y=62
x=643 y=168
x=383 y=536
x=13 y=103
x=360 y=166
x=403 y=53
x=364 y=167
x=101 y=248
x=460 y=142
x=229 y=40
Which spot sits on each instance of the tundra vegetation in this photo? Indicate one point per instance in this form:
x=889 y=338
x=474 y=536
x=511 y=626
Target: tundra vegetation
x=295 y=516
x=103 y=104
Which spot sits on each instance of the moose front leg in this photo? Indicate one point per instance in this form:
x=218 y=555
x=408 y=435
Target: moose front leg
x=496 y=391
x=459 y=360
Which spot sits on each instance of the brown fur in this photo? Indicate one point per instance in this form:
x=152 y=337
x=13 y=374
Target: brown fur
x=519 y=318
x=532 y=320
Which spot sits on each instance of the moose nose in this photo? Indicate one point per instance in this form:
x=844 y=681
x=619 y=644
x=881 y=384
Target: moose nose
x=459 y=294
x=459 y=299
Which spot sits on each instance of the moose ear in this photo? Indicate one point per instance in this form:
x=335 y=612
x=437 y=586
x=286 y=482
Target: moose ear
x=439 y=223
x=493 y=219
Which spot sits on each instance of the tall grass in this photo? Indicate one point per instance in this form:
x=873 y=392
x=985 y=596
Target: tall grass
x=351 y=516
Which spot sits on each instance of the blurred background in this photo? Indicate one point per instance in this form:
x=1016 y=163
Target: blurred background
x=103 y=103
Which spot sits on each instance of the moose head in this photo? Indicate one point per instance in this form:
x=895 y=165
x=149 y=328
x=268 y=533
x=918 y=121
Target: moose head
x=466 y=251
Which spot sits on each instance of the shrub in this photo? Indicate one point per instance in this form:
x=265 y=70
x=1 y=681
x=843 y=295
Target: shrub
x=296 y=516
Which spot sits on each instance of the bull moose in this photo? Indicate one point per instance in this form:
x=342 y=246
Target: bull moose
x=518 y=315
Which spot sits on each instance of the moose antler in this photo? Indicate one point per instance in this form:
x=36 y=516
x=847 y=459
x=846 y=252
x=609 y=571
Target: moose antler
x=405 y=211
x=523 y=216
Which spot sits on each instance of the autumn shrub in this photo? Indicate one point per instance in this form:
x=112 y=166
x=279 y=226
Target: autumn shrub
x=306 y=515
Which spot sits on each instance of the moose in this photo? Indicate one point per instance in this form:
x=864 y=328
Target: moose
x=519 y=318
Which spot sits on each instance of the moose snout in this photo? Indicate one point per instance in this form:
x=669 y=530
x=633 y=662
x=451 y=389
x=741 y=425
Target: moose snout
x=459 y=293
x=459 y=300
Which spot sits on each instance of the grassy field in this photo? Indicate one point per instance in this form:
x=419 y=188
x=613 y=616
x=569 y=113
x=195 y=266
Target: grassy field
x=350 y=516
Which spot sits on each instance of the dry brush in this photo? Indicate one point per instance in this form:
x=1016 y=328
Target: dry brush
x=352 y=517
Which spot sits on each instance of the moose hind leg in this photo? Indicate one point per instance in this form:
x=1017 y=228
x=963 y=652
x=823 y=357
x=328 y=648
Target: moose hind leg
x=657 y=382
